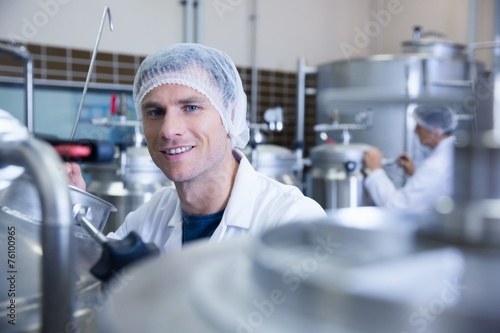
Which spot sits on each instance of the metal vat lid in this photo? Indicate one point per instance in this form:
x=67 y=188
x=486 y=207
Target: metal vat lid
x=339 y=153
x=436 y=44
x=299 y=278
x=271 y=155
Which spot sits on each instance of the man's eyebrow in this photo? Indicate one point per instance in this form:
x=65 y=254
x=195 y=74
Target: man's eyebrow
x=150 y=104
x=193 y=99
x=183 y=101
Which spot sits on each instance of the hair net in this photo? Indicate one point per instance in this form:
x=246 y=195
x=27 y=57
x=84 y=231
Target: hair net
x=436 y=117
x=204 y=69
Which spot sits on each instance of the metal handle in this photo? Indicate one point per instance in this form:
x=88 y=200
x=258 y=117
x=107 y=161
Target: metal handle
x=22 y=53
x=58 y=245
x=452 y=83
x=92 y=231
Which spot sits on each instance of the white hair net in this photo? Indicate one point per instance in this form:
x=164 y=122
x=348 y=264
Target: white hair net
x=436 y=117
x=204 y=69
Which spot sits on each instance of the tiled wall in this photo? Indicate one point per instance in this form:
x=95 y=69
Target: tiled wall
x=64 y=64
x=69 y=65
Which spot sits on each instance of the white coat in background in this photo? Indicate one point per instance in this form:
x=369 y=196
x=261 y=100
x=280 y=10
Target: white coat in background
x=257 y=203
x=431 y=180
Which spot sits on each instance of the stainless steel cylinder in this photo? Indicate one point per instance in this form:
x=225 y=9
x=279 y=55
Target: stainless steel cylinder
x=335 y=179
x=472 y=213
x=277 y=162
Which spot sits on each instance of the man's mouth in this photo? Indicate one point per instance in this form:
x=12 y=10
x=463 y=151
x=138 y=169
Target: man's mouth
x=175 y=151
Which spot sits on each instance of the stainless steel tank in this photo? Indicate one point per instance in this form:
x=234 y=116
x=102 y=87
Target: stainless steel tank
x=335 y=179
x=359 y=270
x=20 y=213
x=388 y=88
x=277 y=162
x=127 y=183
x=46 y=283
x=472 y=213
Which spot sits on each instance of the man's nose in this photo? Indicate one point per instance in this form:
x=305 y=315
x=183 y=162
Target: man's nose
x=173 y=125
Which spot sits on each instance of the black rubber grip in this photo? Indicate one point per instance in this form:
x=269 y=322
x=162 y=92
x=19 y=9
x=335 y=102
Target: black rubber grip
x=116 y=254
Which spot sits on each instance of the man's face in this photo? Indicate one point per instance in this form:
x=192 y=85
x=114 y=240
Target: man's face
x=184 y=132
x=427 y=138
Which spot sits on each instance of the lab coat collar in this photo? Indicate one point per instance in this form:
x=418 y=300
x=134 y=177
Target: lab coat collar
x=174 y=241
x=239 y=209
x=444 y=144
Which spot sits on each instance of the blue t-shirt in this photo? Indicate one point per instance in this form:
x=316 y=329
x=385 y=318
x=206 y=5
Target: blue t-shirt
x=199 y=226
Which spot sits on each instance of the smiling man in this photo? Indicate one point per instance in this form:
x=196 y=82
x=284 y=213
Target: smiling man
x=193 y=108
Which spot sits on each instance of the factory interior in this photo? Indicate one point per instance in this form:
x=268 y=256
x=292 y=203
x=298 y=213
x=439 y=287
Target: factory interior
x=364 y=198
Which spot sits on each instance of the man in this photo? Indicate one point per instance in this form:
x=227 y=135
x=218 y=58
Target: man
x=193 y=109
x=433 y=179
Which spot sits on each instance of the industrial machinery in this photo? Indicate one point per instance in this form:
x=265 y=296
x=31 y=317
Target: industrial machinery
x=335 y=178
x=56 y=254
x=385 y=89
x=389 y=86
x=359 y=270
x=274 y=161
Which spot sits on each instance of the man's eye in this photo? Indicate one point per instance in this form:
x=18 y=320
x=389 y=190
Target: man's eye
x=191 y=108
x=154 y=113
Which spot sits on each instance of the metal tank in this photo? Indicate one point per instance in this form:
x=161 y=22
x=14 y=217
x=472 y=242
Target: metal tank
x=274 y=161
x=381 y=91
x=47 y=286
x=359 y=270
x=335 y=179
x=388 y=87
x=277 y=162
x=20 y=212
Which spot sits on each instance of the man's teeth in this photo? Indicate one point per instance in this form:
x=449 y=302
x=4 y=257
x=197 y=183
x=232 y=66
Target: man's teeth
x=177 y=150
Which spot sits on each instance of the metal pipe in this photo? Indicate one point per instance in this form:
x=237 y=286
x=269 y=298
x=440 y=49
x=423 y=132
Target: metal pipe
x=496 y=71
x=22 y=53
x=107 y=12
x=188 y=20
x=472 y=21
x=28 y=78
x=254 y=86
x=58 y=246
x=197 y=21
x=302 y=71
x=380 y=36
x=301 y=99
x=414 y=77
x=255 y=70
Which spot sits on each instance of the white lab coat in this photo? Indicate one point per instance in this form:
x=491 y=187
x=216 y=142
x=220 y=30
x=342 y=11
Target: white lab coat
x=257 y=203
x=431 y=180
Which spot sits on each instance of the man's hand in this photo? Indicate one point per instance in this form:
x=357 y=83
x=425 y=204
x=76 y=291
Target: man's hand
x=406 y=163
x=74 y=174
